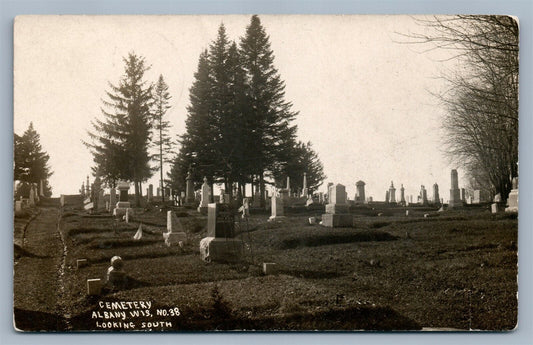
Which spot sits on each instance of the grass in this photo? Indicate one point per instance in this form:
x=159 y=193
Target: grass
x=457 y=269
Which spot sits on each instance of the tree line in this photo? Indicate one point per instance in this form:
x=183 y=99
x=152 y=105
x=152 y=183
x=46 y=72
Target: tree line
x=481 y=121
x=30 y=163
x=239 y=127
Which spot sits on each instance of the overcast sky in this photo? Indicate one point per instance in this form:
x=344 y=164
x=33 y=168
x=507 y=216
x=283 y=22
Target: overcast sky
x=364 y=100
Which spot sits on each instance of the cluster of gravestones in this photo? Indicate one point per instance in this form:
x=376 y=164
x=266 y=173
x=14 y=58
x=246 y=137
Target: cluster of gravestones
x=33 y=197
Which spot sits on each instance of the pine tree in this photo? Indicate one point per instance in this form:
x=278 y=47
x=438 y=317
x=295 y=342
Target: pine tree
x=161 y=127
x=198 y=144
x=301 y=159
x=269 y=114
x=31 y=162
x=121 y=140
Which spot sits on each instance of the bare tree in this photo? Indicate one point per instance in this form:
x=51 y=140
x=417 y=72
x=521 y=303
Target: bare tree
x=482 y=102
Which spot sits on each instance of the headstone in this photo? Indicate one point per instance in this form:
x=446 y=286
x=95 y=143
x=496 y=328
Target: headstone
x=392 y=193
x=245 y=208
x=495 y=207
x=455 y=193
x=256 y=202
x=423 y=196
x=116 y=277
x=189 y=190
x=94 y=287
x=276 y=208
x=220 y=244
x=402 y=195
x=112 y=199
x=309 y=200
x=360 y=192
x=436 y=197
x=41 y=188
x=269 y=268
x=512 y=200
x=62 y=200
x=128 y=215
x=305 y=191
x=175 y=233
x=123 y=202
x=158 y=190
x=337 y=209
x=88 y=206
x=32 y=197
x=387 y=197
x=284 y=195
x=463 y=195
x=321 y=198
x=480 y=196
x=206 y=193
x=80 y=263
x=288 y=184
x=330 y=184
x=150 y=194
x=101 y=200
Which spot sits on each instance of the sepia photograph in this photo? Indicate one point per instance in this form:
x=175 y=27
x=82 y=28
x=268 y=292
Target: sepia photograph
x=177 y=173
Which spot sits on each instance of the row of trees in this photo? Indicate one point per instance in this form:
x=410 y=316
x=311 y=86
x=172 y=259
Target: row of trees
x=31 y=162
x=238 y=129
x=133 y=123
x=239 y=126
x=482 y=102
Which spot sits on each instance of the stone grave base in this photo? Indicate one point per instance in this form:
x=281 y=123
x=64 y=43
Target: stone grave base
x=337 y=220
x=119 y=211
x=173 y=238
x=337 y=208
x=221 y=249
x=497 y=207
x=202 y=209
x=274 y=218
x=512 y=201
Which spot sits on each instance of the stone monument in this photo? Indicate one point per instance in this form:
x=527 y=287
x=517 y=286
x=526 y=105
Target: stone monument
x=123 y=203
x=360 y=192
x=402 y=195
x=337 y=209
x=150 y=192
x=175 y=233
x=189 y=190
x=436 y=197
x=277 y=204
x=206 y=193
x=305 y=191
x=455 y=194
x=512 y=200
x=423 y=196
x=116 y=277
x=220 y=244
x=392 y=193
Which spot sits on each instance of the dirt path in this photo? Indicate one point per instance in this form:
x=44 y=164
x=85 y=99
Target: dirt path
x=36 y=279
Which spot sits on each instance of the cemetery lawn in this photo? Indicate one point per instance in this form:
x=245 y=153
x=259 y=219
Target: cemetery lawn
x=457 y=269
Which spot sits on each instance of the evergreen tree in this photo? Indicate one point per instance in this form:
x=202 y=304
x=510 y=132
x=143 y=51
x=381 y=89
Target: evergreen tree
x=269 y=114
x=31 y=162
x=121 y=140
x=301 y=159
x=161 y=127
x=197 y=151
